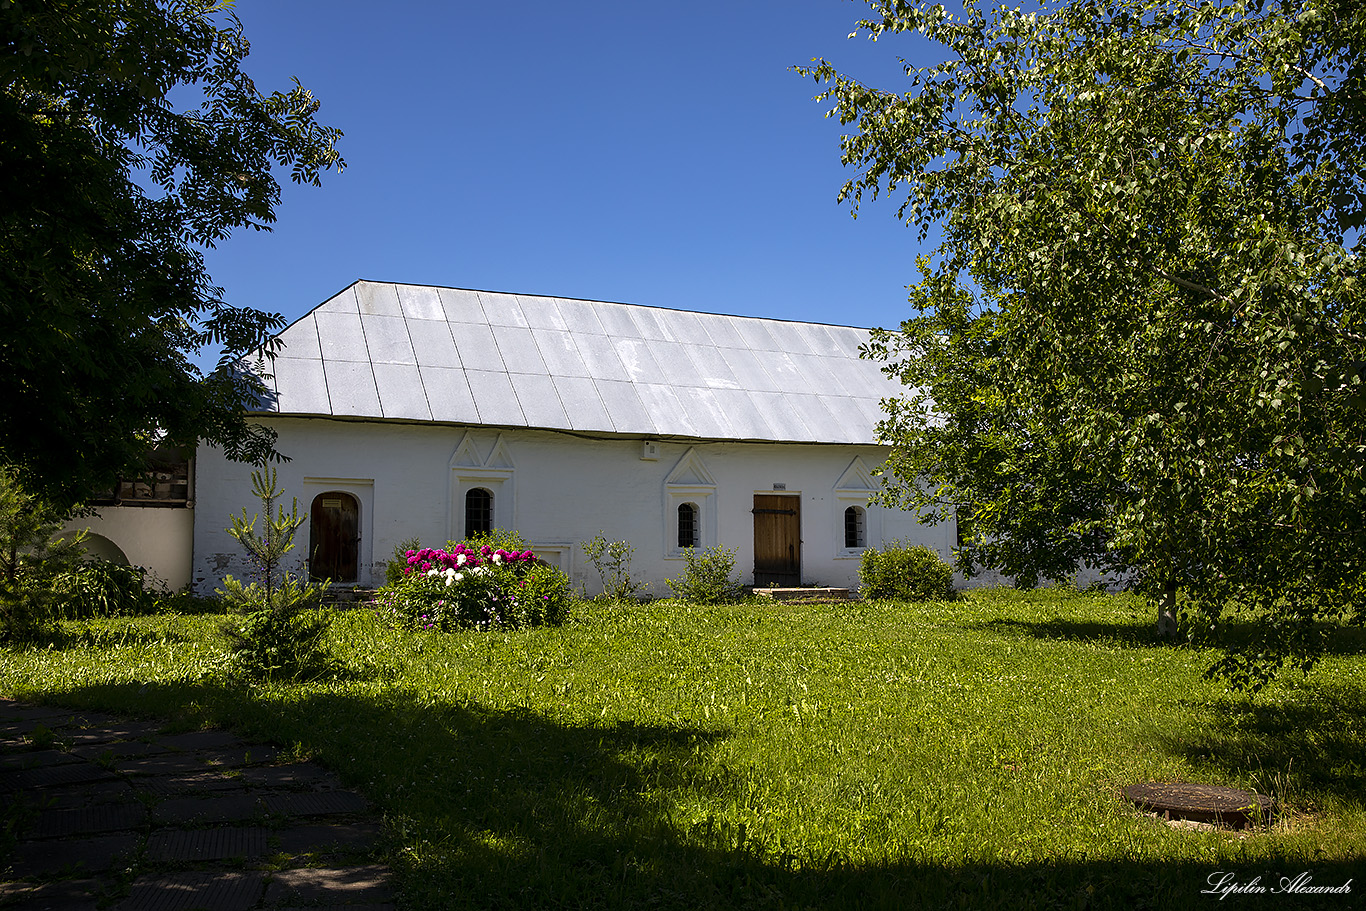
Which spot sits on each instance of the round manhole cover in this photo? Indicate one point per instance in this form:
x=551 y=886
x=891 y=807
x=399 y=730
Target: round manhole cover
x=1202 y=802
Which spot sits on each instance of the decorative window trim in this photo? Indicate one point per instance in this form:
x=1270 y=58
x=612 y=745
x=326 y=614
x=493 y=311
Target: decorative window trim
x=493 y=473
x=854 y=488
x=689 y=482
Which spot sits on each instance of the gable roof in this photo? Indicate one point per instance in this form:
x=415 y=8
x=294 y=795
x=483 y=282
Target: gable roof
x=417 y=353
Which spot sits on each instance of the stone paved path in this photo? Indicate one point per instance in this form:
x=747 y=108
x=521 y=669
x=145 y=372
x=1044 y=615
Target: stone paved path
x=101 y=811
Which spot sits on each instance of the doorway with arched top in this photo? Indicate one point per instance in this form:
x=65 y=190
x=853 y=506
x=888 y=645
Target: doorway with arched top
x=334 y=536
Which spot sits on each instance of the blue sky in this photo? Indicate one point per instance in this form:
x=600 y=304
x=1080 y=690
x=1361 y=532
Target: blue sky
x=652 y=153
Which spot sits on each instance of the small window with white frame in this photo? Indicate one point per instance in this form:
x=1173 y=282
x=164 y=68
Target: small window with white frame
x=478 y=512
x=689 y=525
x=689 y=506
x=855 y=528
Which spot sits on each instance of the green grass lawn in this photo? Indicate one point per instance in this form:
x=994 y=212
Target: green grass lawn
x=767 y=756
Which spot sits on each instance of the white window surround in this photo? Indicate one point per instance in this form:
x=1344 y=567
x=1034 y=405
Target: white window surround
x=557 y=553
x=689 y=482
x=493 y=473
x=363 y=489
x=854 y=487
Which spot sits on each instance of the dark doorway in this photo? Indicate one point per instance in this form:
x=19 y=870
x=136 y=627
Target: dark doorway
x=777 y=541
x=334 y=537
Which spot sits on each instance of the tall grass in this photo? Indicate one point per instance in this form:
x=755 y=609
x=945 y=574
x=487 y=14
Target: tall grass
x=967 y=754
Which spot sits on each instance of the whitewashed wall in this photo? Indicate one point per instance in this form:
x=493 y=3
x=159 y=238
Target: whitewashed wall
x=157 y=539
x=558 y=490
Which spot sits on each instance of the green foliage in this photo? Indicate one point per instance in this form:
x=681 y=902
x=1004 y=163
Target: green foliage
x=133 y=140
x=498 y=588
x=267 y=551
x=497 y=539
x=1140 y=344
x=707 y=579
x=99 y=588
x=901 y=573
x=612 y=560
x=31 y=558
x=282 y=633
x=279 y=639
x=395 y=567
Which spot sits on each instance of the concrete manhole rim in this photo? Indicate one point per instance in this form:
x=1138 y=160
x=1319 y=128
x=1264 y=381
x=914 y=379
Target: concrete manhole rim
x=1216 y=804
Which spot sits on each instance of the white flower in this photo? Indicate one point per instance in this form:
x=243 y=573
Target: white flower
x=460 y=559
x=459 y=577
x=497 y=558
x=433 y=572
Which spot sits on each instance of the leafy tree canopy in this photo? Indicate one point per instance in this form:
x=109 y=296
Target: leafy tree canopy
x=1140 y=345
x=109 y=192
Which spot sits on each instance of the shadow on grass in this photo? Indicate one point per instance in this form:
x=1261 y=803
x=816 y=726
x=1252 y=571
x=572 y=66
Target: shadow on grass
x=511 y=809
x=1233 y=635
x=1125 y=635
x=1307 y=747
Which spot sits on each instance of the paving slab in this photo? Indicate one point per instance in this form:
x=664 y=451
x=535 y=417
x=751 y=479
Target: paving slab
x=297 y=775
x=200 y=740
x=201 y=891
x=36 y=759
x=171 y=785
x=207 y=844
x=88 y=820
x=40 y=858
x=326 y=803
x=119 y=730
x=162 y=764
x=188 y=810
x=360 y=836
x=241 y=755
x=66 y=895
x=21 y=711
x=336 y=886
x=54 y=776
x=97 y=750
x=85 y=794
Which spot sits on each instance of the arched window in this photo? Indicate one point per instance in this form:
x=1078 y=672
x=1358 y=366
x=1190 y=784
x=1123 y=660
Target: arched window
x=478 y=512
x=687 y=524
x=854 y=535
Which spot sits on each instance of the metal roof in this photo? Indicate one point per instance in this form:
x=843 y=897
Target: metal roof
x=417 y=353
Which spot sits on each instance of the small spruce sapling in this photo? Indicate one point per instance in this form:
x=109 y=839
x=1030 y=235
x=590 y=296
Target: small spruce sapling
x=279 y=636
x=266 y=552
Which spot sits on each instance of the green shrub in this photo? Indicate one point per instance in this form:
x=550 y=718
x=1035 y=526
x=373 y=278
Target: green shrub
x=279 y=639
x=497 y=539
x=707 y=578
x=281 y=634
x=394 y=569
x=31 y=558
x=901 y=573
x=99 y=588
x=612 y=560
x=475 y=586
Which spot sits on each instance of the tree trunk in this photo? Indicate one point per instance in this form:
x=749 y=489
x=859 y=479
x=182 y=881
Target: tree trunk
x=1166 y=611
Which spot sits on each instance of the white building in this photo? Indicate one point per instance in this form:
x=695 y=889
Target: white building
x=420 y=412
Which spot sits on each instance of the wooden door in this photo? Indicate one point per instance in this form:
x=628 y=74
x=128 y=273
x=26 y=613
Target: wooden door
x=334 y=537
x=777 y=541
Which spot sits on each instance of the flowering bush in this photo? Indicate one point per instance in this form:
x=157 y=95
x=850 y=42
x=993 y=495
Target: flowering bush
x=474 y=586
